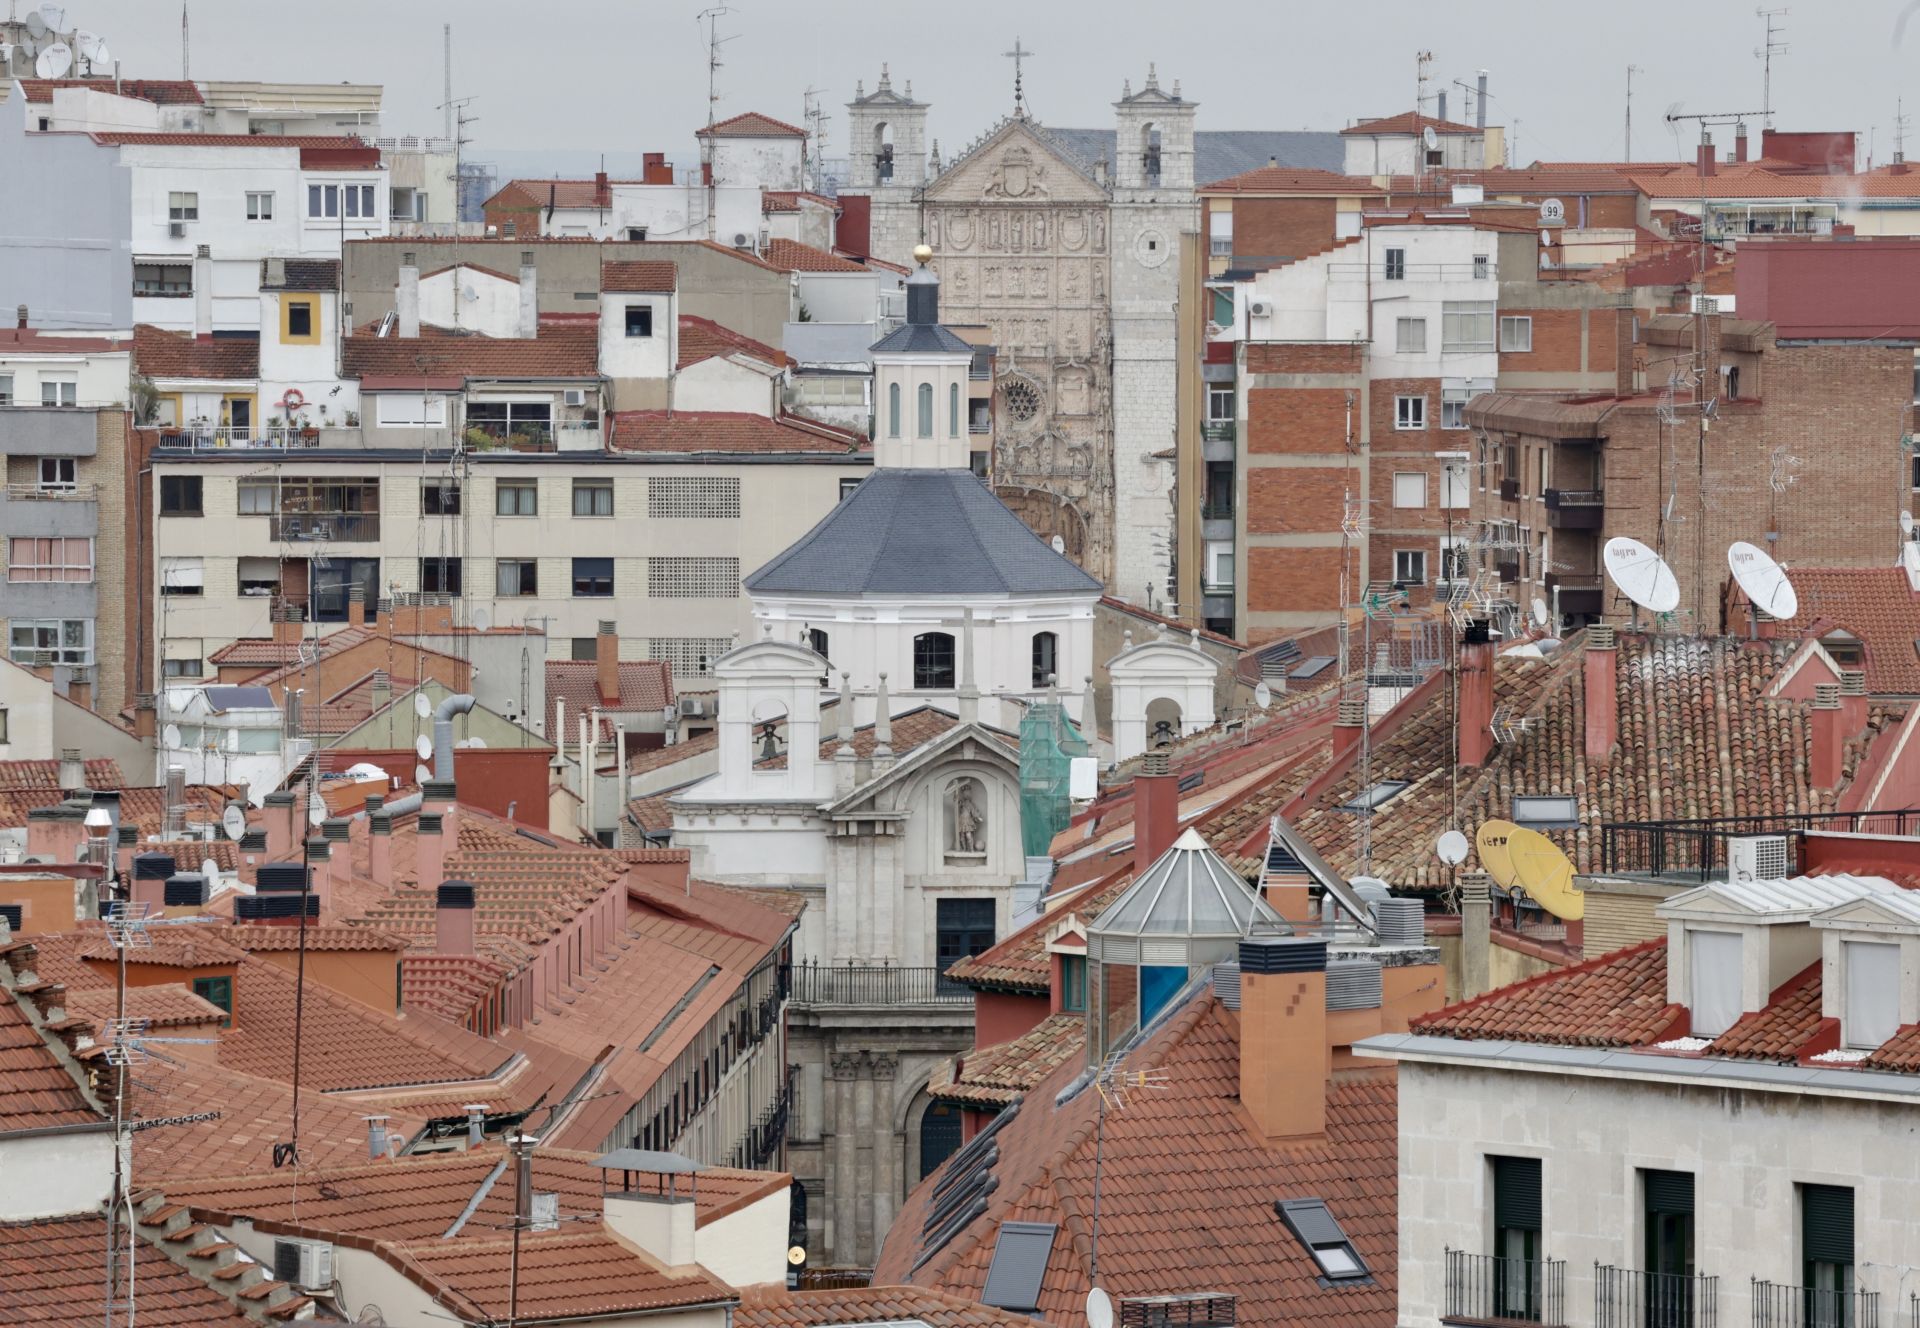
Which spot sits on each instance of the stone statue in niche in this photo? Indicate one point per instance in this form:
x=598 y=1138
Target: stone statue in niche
x=966 y=818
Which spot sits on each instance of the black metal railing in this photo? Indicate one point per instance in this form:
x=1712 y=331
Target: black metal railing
x=325 y=527
x=1217 y=512
x=874 y=984
x=1783 y=1305
x=1626 y=1298
x=767 y=1136
x=1218 y=431
x=1697 y=849
x=833 y=1279
x=1485 y=1288
x=1559 y=498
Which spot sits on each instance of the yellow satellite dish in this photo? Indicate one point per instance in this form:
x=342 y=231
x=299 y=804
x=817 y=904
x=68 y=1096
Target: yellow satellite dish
x=1542 y=870
x=1491 y=841
x=796 y=1255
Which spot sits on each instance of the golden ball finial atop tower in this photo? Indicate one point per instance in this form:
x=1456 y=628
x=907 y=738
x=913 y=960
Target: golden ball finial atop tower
x=923 y=254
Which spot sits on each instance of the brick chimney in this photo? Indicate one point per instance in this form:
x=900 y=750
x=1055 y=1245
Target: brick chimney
x=1289 y=890
x=429 y=848
x=1476 y=935
x=1740 y=140
x=357 y=605
x=442 y=798
x=1284 y=1055
x=1476 y=695
x=602 y=194
x=286 y=622
x=1602 y=698
x=1156 y=811
x=1349 y=720
x=320 y=868
x=145 y=716
x=150 y=874
x=606 y=663
x=279 y=824
x=1829 y=723
x=453 y=918
x=1853 y=701
x=1703 y=155
x=1624 y=381
x=338 y=831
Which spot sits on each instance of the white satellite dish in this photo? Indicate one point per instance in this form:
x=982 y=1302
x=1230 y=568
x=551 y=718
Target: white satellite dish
x=210 y=869
x=1764 y=580
x=1451 y=848
x=87 y=43
x=1262 y=695
x=421 y=706
x=36 y=26
x=1906 y=524
x=476 y=742
x=6 y=58
x=1099 y=1309
x=316 y=809
x=423 y=747
x=1059 y=545
x=54 y=61
x=421 y=774
x=1429 y=139
x=54 y=16
x=101 y=58
x=234 y=822
x=482 y=620
x=1641 y=574
x=1540 y=612
x=170 y=735
x=1546 y=238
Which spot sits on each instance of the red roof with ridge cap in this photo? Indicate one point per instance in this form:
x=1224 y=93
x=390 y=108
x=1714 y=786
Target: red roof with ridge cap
x=158 y=353
x=1410 y=122
x=751 y=124
x=702 y=339
x=161 y=91
x=697 y=431
x=638 y=275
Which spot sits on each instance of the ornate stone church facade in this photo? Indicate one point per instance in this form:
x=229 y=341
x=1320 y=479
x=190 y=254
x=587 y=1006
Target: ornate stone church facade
x=1074 y=267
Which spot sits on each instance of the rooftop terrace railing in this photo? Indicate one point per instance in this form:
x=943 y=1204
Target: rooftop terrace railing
x=1697 y=849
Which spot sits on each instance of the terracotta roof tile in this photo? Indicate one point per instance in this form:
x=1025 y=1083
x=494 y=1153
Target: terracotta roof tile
x=994 y=1076
x=1616 y=1000
x=776 y=1307
x=263 y=939
x=558 y=352
x=561 y=193
x=793 y=256
x=788 y=200
x=161 y=354
x=693 y=432
x=161 y=91
x=750 y=124
x=639 y=275
x=1778 y=1031
x=562 y=1274
x=1875 y=604
x=1410 y=122
x=1901 y=1052
x=164 y=1005
x=36 y=1090
x=645 y=684
x=702 y=339
x=53 y=1269
x=102 y=773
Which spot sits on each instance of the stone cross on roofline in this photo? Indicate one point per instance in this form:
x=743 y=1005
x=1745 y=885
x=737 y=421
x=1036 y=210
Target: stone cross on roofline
x=1018 y=55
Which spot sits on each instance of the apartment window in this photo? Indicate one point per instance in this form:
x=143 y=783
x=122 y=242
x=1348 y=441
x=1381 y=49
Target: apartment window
x=1220 y=301
x=516 y=578
x=256 y=499
x=1220 y=405
x=1516 y=334
x=301 y=326
x=6 y=389
x=847 y=486
x=1667 y=1199
x=1396 y=265
x=693 y=497
x=593 y=497
x=6 y=728
x=259 y=207
x=1453 y=483
x=1826 y=1252
x=1220 y=234
x=511 y=421
x=183 y=576
x=182 y=666
x=639 y=320
x=933 y=661
x=693 y=578
x=1466 y=326
x=817 y=642
x=583 y=649
x=440 y=497
x=1481 y=267
x=1410 y=336
x=169 y=279
x=183 y=207
x=1410 y=567
x=179 y=495
x=330 y=200
x=1713 y=967
x=440 y=576
x=1073 y=983
x=516 y=498
x=409 y=410
x=1516 y=1237
x=637 y=234
x=1046 y=658
x=1409 y=488
x=216 y=991
x=69 y=559
x=893 y=410
x=53 y=641
x=1453 y=407
x=1218 y=571
x=953 y=410
x=924 y=401
x=258 y=576
x=688 y=656
x=1409 y=412
x=1872 y=1014
x=63 y=390
x=57 y=475
x=593 y=578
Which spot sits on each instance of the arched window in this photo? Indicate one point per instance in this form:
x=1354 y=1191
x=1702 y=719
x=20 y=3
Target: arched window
x=953 y=410
x=817 y=642
x=925 y=402
x=893 y=410
x=1150 y=154
x=933 y=662
x=939 y=1136
x=1046 y=658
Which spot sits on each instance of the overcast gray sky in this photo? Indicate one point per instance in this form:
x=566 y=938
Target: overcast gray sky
x=623 y=76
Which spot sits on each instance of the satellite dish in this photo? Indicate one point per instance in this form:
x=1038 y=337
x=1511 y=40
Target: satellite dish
x=476 y=742
x=234 y=822
x=1542 y=870
x=1540 y=612
x=170 y=735
x=87 y=43
x=1546 y=238
x=423 y=747
x=1059 y=545
x=54 y=61
x=469 y=293
x=1641 y=574
x=421 y=706
x=421 y=774
x=316 y=809
x=1262 y=695
x=796 y=1255
x=1429 y=139
x=1099 y=1309
x=1491 y=840
x=1451 y=848
x=1906 y=524
x=36 y=26
x=54 y=16
x=101 y=58
x=1764 y=580
x=210 y=869
x=482 y=620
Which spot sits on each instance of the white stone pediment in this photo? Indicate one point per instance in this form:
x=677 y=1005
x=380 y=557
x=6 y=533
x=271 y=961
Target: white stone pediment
x=962 y=742
x=1889 y=913
x=1015 y=165
x=1153 y=658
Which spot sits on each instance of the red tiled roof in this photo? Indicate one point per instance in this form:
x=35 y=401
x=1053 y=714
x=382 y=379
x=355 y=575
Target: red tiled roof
x=102 y=773
x=702 y=339
x=1755 y=182
x=449 y=985
x=161 y=91
x=1616 y=1000
x=53 y=1269
x=994 y=1076
x=645 y=684
x=163 y=1005
x=558 y=352
x=1777 y=1031
x=750 y=124
x=161 y=354
x=776 y=1307
x=1410 y=122
x=788 y=200
x=32 y=341
x=1291 y=180
x=37 y=1091
x=561 y=1275
x=1875 y=604
x=561 y=193
x=642 y=275
x=698 y=431
x=793 y=256
x=263 y=939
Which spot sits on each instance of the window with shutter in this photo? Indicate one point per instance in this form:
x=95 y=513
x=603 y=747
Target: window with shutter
x=1516 y=1236
x=1826 y=1253
x=1669 y=1226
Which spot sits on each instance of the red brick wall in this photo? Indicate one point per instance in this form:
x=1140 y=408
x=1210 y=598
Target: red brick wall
x=1556 y=342
x=1305 y=357
x=1290 y=501
x=1282 y=227
x=1298 y=419
x=1292 y=580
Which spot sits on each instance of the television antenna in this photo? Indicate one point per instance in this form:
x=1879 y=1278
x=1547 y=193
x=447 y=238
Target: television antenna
x=1774 y=45
x=711 y=16
x=1631 y=71
x=1641 y=575
x=1115 y=1086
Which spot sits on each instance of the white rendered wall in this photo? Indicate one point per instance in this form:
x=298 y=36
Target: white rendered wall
x=494 y=311
x=51 y=1175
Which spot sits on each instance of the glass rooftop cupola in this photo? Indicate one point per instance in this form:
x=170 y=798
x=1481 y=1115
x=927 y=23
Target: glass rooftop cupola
x=1188 y=911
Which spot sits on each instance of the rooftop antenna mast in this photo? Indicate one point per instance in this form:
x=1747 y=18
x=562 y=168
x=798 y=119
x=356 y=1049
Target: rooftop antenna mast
x=1631 y=71
x=816 y=117
x=711 y=17
x=1775 y=45
x=446 y=71
x=184 y=75
x=1900 y=122
x=1422 y=67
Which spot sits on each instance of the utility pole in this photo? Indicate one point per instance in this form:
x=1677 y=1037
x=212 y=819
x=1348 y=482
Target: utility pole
x=1631 y=71
x=1774 y=46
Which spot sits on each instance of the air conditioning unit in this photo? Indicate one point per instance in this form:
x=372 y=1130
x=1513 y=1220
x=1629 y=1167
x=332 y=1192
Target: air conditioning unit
x=742 y=240
x=1757 y=858
x=177 y=229
x=575 y=396
x=1259 y=309
x=693 y=707
x=307 y=1264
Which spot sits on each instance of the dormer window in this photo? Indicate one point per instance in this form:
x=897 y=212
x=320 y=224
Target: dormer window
x=1872 y=1013
x=1713 y=965
x=1073 y=983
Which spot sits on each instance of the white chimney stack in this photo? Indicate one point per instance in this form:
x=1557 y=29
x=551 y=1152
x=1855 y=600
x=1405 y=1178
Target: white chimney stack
x=406 y=297
x=529 y=296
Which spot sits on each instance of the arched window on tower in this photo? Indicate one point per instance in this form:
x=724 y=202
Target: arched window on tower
x=883 y=152
x=1046 y=659
x=925 y=410
x=953 y=410
x=893 y=410
x=1150 y=154
x=933 y=662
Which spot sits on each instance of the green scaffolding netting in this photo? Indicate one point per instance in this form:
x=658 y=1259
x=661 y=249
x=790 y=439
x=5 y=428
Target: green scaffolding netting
x=1048 y=743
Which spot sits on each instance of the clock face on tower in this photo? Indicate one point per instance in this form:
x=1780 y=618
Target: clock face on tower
x=1150 y=248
